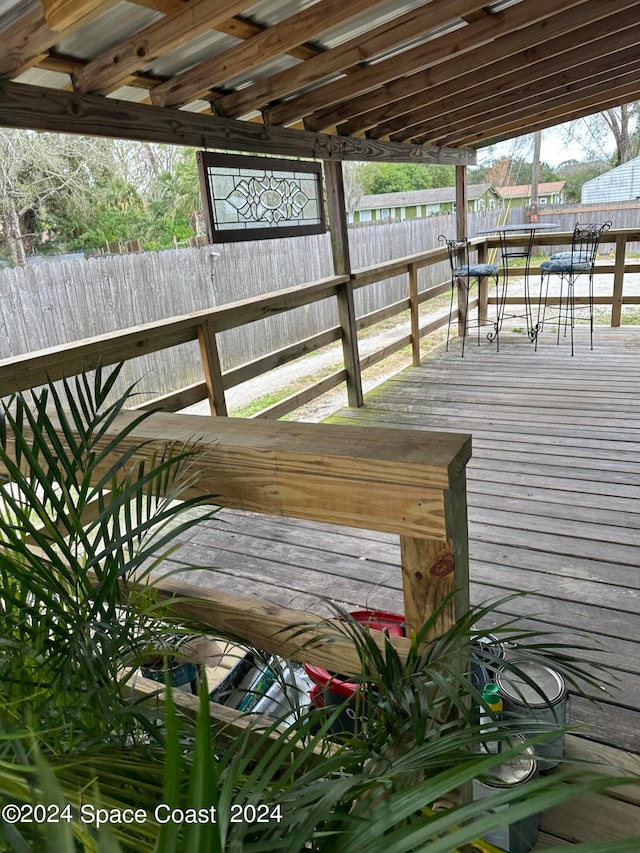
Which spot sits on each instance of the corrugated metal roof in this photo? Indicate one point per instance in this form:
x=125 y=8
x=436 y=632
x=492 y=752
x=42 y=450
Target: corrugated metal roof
x=436 y=195
x=197 y=50
x=418 y=80
x=107 y=30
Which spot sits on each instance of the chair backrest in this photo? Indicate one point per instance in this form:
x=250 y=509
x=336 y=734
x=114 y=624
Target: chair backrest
x=586 y=239
x=458 y=251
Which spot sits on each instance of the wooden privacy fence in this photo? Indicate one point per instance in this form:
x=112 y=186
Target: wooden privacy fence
x=32 y=369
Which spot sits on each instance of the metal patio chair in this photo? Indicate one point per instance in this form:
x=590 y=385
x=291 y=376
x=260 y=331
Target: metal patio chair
x=570 y=267
x=463 y=275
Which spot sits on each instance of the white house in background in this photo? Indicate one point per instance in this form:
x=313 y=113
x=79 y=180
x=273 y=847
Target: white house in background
x=619 y=184
x=417 y=203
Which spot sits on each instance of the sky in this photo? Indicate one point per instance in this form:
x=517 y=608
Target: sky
x=556 y=146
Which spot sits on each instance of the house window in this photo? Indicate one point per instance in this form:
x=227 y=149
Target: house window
x=365 y=216
x=543 y=200
x=385 y=213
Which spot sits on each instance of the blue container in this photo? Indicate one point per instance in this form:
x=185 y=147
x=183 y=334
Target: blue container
x=487 y=655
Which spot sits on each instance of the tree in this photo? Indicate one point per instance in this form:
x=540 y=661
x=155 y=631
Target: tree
x=510 y=171
x=44 y=183
x=575 y=174
x=379 y=178
x=596 y=133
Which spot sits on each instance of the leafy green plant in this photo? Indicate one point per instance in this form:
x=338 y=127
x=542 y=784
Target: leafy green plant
x=82 y=516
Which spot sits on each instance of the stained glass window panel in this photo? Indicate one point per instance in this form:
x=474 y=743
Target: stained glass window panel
x=254 y=198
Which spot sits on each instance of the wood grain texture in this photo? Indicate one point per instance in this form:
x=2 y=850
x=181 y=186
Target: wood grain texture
x=326 y=473
x=38 y=108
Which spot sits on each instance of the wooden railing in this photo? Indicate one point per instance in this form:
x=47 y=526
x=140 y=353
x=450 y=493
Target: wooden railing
x=355 y=476
x=27 y=371
x=363 y=477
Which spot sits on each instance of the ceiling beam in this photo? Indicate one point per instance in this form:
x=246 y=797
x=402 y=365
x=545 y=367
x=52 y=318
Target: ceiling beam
x=39 y=108
x=527 y=98
x=107 y=71
x=517 y=80
x=31 y=36
x=606 y=98
x=197 y=82
x=455 y=44
x=507 y=55
x=62 y=14
x=346 y=56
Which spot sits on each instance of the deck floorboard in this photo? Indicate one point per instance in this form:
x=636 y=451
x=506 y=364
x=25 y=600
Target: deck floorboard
x=554 y=506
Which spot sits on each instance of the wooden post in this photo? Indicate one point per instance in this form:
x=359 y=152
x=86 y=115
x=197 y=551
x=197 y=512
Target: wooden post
x=435 y=568
x=461 y=234
x=342 y=266
x=415 y=318
x=618 y=279
x=212 y=369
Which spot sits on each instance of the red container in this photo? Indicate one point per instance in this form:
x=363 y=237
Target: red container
x=331 y=688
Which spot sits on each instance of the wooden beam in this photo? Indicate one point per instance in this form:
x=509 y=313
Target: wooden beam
x=345 y=56
x=62 y=14
x=372 y=478
x=212 y=369
x=342 y=266
x=551 y=73
x=109 y=69
x=39 y=108
x=198 y=81
x=313 y=105
x=293 y=634
x=606 y=98
x=433 y=570
x=585 y=94
x=508 y=55
x=30 y=36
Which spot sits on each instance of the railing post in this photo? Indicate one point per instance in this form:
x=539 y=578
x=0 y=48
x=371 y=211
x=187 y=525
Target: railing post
x=212 y=369
x=618 y=279
x=415 y=317
x=435 y=568
x=342 y=266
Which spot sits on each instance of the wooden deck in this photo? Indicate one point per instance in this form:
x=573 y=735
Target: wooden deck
x=554 y=509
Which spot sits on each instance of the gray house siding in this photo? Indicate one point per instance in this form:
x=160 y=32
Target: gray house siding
x=619 y=184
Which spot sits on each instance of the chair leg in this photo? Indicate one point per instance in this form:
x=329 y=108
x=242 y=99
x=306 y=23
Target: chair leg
x=542 y=305
x=450 y=317
x=591 y=309
x=465 y=325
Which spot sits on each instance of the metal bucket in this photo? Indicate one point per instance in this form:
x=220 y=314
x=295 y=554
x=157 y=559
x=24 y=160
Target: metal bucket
x=486 y=653
x=522 y=701
x=520 y=835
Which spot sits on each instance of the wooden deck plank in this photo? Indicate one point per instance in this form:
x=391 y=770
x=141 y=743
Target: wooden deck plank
x=553 y=489
x=554 y=506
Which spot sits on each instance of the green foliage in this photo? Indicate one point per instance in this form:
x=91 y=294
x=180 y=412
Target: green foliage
x=374 y=791
x=81 y=514
x=376 y=178
x=576 y=174
x=510 y=171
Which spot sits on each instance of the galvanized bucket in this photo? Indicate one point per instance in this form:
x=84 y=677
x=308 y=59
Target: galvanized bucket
x=520 y=835
x=546 y=705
